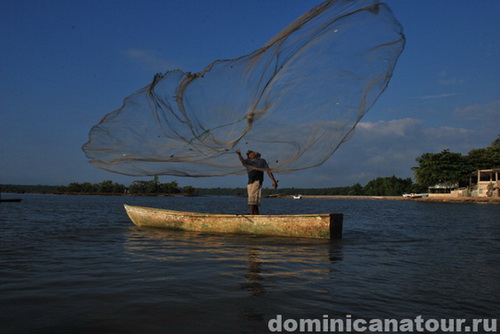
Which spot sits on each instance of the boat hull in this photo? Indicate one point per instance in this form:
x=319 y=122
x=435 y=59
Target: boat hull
x=323 y=226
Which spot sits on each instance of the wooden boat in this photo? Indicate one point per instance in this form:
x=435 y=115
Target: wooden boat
x=324 y=226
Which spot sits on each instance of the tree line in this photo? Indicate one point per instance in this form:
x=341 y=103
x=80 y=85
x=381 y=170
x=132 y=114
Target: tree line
x=381 y=186
x=136 y=187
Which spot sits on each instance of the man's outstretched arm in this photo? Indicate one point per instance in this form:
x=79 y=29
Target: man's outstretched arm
x=240 y=156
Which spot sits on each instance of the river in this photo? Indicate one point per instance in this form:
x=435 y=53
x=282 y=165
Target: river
x=76 y=264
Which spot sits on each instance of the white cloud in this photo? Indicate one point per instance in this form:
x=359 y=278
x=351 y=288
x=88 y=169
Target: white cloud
x=488 y=112
x=451 y=82
x=445 y=80
x=437 y=96
x=148 y=60
x=444 y=132
x=396 y=127
x=386 y=148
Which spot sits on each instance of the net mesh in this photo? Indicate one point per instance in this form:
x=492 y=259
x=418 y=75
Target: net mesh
x=295 y=100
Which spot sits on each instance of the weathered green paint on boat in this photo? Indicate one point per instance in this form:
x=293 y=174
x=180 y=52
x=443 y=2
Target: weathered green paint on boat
x=324 y=226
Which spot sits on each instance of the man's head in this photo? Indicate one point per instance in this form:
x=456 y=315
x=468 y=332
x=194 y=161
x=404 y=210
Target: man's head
x=252 y=155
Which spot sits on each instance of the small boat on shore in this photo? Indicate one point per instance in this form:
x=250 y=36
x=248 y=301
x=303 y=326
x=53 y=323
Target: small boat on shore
x=10 y=200
x=323 y=226
x=413 y=195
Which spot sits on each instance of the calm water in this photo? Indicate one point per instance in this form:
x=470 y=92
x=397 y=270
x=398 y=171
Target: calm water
x=76 y=264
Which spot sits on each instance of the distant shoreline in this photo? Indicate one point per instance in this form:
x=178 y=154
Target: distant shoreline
x=439 y=199
x=493 y=200
x=100 y=193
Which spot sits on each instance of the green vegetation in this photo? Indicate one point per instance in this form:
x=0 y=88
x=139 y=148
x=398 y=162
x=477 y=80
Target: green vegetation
x=16 y=188
x=389 y=186
x=444 y=167
x=136 y=187
x=455 y=168
x=86 y=187
x=485 y=158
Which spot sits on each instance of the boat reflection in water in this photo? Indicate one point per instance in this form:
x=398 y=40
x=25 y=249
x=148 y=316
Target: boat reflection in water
x=250 y=269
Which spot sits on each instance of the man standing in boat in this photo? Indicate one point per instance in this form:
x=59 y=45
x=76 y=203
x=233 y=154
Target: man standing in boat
x=255 y=168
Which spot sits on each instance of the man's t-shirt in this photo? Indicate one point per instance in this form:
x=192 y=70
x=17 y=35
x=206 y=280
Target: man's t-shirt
x=255 y=169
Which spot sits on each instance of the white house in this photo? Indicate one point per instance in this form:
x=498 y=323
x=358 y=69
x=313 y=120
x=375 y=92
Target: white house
x=485 y=183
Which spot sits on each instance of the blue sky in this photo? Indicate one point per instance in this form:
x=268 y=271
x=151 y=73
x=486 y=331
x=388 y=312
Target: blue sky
x=65 y=64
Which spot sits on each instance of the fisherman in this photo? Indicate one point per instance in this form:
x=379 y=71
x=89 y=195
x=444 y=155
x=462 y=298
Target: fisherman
x=255 y=166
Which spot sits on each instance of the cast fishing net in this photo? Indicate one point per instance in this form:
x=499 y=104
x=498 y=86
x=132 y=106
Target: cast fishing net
x=295 y=100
